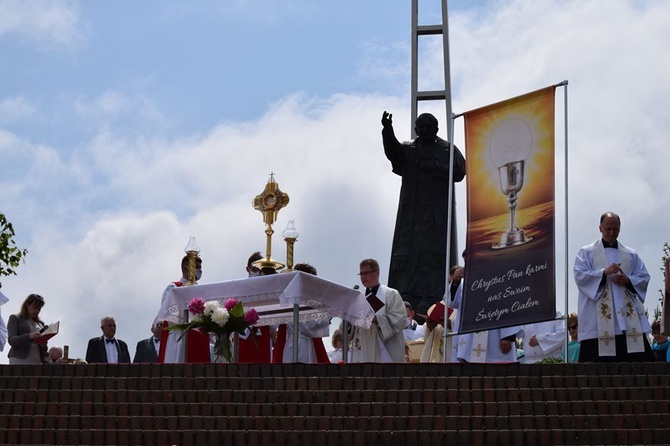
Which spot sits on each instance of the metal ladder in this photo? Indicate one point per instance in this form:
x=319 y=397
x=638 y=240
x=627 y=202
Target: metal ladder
x=434 y=95
x=430 y=95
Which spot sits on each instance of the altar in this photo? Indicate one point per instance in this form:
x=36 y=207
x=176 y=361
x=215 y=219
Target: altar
x=278 y=299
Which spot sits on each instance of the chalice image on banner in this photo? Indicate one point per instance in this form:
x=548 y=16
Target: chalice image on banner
x=510 y=148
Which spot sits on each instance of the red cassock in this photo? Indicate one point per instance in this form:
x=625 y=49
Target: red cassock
x=258 y=351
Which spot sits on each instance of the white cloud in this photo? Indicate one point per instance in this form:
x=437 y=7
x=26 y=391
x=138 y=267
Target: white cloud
x=15 y=108
x=323 y=152
x=45 y=22
x=116 y=212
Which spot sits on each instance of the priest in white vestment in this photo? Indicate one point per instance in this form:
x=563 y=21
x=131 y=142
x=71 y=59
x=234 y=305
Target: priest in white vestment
x=612 y=282
x=543 y=340
x=384 y=340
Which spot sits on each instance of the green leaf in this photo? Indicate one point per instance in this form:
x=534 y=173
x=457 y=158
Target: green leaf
x=10 y=255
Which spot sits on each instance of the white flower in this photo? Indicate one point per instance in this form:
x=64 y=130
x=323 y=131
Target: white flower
x=211 y=306
x=220 y=316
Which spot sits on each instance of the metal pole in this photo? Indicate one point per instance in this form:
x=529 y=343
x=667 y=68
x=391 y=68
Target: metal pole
x=449 y=218
x=345 y=341
x=565 y=124
x=236 y=346
x=185 y=338
x=415 y=66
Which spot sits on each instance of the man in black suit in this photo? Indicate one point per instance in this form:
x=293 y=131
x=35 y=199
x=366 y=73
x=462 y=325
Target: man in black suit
x=107 y=349
x=148 y=349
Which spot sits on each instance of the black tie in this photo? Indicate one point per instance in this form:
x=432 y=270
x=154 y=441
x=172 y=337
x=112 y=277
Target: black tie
x=109 y=341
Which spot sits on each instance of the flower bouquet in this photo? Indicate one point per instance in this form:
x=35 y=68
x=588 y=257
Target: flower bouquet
x=222 y=321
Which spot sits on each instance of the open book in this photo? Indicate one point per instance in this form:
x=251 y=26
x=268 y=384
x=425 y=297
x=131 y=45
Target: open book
x=48 y=332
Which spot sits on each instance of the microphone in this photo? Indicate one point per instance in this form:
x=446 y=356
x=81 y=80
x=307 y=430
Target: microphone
x=43 y=329
x=356 y=287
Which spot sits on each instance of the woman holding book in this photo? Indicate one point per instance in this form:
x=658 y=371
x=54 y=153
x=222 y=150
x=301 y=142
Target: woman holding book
x=22 y=331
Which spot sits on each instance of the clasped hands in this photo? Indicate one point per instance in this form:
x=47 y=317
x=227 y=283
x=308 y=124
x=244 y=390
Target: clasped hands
x=618 y=276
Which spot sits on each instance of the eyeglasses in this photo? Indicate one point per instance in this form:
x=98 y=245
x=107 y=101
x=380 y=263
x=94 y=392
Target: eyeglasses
x=572 y=327
x=365 y=273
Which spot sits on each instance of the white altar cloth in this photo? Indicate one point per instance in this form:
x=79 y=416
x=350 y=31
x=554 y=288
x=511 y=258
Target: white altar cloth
x=273 y=298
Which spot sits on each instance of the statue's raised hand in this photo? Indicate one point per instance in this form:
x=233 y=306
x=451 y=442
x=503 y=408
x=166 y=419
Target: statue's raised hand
x=387 y=120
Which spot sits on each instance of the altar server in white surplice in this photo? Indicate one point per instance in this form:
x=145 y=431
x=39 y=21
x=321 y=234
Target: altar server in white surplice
x=497 y=345
x=384 y=340
x=543 y=340
x=612 y=282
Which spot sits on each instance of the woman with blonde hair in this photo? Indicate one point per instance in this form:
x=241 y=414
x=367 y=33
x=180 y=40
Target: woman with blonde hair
x=22 y=331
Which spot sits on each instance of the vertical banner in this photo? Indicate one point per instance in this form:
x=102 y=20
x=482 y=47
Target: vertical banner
x=510 y=248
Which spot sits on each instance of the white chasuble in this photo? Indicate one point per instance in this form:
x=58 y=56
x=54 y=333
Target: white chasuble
x=626 y=318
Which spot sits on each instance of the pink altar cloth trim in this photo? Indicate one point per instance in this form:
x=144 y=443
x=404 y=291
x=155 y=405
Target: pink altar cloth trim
x=273 y=298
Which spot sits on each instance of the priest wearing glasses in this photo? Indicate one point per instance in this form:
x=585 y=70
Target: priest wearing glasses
x=612 y=282
x=384 y=341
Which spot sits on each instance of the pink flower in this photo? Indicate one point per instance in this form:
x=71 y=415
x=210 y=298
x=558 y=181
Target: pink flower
x=230 y=303
x=196 y=306
x=251 y=317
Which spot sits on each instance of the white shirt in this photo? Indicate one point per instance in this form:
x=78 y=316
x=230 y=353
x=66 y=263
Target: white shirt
x=112 y=351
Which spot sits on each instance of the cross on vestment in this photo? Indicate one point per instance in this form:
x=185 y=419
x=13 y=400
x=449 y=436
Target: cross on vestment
x=606 y=338
x=634 y=334
x=479 y=350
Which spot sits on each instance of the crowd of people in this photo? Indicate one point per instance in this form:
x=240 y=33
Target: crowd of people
x=612 y=326
x=611 y=279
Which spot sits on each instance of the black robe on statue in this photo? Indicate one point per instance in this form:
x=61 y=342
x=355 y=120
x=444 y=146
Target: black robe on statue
x=418 y=254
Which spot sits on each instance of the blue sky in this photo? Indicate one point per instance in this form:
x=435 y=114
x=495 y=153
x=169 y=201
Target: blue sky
x=126 y=127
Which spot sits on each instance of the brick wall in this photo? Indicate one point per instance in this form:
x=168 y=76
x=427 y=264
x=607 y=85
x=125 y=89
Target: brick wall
x=349 y=404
